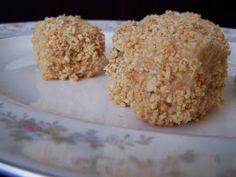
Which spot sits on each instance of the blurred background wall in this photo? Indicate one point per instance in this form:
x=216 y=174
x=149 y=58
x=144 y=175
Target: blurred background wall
x=221 y=12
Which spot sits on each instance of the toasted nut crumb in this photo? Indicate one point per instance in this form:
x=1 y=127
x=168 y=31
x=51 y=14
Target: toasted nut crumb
x=173 y=64
x=67 y=47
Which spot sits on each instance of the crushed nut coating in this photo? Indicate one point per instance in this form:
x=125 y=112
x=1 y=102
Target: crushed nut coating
x=67 y=47
x=169 y=69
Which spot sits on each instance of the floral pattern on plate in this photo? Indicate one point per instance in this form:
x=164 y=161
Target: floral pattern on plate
x=25 y=127
x=46 y=142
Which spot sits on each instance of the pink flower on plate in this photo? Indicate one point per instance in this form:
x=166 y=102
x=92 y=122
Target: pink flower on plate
x=29 y=126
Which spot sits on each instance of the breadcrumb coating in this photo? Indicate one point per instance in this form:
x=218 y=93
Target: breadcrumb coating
x=169 y=69
x=67 y=47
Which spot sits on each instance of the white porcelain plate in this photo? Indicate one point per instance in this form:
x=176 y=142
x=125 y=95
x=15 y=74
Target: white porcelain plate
x=65 y=128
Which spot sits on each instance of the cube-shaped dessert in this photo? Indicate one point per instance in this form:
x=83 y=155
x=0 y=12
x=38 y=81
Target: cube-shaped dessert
x=68 y=47
x=170 y=69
